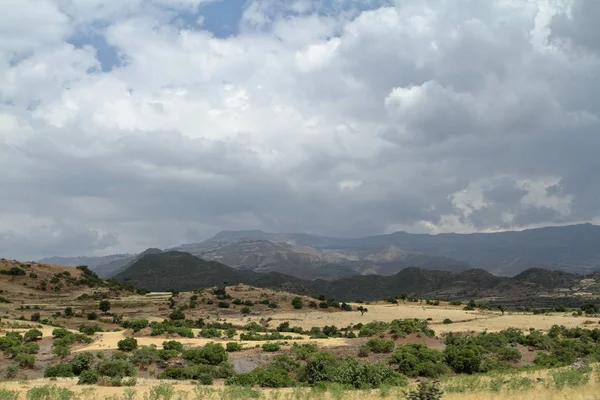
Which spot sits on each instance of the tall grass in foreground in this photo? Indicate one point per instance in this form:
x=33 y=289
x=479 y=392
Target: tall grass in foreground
x=558 y=383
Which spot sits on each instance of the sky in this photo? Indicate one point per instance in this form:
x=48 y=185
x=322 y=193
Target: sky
x=149 y=123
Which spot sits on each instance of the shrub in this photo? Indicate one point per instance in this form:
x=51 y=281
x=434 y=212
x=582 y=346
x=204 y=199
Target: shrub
x=127 y=344
x=104 y=306
x=33 y=334
x=24 y=360
x=59 y=371
x=233 y=346
x=35 y=317
x=82 y=362
x=89 y=330
x=173 y=345
x=210 y=333
x=61 y=351
x=447 y=321
x=418 y=360
x=237 y=302
x=136 y=324
x=223 y=304
x=88 y=378
x=509 y=354
x=377 y=345
x=144 y=356
x=271 y=347
x=297 y=303
x=364 y=350
x=60 y=333
x=177 y=315
x=426 y=391
x=465 y=358
x=115 y=368
x=92 y=316
x=205 y=379
x=245 y=310
x=167 y=354
x=303 y=351
x=366 y=375
x=211 y=353
x=319 y=367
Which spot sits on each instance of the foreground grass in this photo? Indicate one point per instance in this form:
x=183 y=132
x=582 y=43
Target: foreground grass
x=560 y=383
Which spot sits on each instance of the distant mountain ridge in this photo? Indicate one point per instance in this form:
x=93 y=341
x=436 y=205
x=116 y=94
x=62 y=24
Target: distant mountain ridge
x=174 y=270
x=572 y=249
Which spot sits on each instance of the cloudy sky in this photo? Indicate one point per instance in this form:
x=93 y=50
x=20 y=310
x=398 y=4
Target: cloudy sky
x=126 y=124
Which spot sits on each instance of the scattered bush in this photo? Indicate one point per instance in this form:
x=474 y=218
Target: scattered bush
x=270 y=347
x=88 y=378
x=127 y=344
x=233 y=346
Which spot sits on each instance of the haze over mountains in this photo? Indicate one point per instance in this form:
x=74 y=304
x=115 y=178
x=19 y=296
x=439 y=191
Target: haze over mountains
x=573 y=249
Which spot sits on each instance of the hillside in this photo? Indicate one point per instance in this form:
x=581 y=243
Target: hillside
x=307 y=262
x=571 y=249
x=183 y=271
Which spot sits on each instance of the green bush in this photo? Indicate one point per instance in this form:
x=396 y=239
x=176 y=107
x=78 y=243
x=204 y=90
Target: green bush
x=366 y=375
x=210 y=333
x=509 y=354
x=167 y=354
x=426 y=391
x=223 y=304
x=115 y=368
x=59 y=371
x=82 y=362
x=33 y=334
x=61 y=351
x=418 y=360
x=297 y=303
x=233 y=346
x=270 y=347
x=144 y=356
x=377 y=345
x=127 y=344
x=88 y=378
x=211 y=353
x=136 y=324
x=205 y=379
x=465 y=358
x=173 y=345
x=60 y=333
x=89 y=329
x=303 y=351
x=25 y=360
x=177 y=315
x=319 y=367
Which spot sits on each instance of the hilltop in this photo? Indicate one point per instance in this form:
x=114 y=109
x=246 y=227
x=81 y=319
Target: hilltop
x=183 y=271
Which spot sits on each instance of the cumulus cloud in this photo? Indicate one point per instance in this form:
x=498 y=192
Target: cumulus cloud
x=338 y=118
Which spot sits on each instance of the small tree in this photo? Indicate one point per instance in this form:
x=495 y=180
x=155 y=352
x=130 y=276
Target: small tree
x=297 y=303
x=502 y=309
x=104 y=306
x=426 y=391
x=362 y=310
x=33 y=334
x=69 y=312
x=127 y=344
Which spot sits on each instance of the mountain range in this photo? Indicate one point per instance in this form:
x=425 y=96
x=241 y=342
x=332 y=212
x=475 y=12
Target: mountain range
x=175 y=270
x=572 y=249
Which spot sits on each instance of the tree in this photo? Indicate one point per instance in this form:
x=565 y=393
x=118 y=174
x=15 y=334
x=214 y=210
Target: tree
x=362 y=310
x=502 y=309
x=104 y=306
x=127 y=344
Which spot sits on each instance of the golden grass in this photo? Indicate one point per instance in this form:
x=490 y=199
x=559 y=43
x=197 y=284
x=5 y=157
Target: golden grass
x=491 y=321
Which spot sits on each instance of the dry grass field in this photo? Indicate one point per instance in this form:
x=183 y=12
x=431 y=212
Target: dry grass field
x=44 y=293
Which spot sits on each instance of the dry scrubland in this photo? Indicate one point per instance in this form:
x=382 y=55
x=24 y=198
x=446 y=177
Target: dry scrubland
x=40 y=297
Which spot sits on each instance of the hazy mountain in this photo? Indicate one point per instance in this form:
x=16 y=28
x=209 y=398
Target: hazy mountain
x=307 y=262
x=104 y=267
x=574 y=249
x=183 y=271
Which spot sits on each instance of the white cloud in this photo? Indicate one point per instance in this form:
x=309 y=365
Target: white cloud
x=427 y=116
